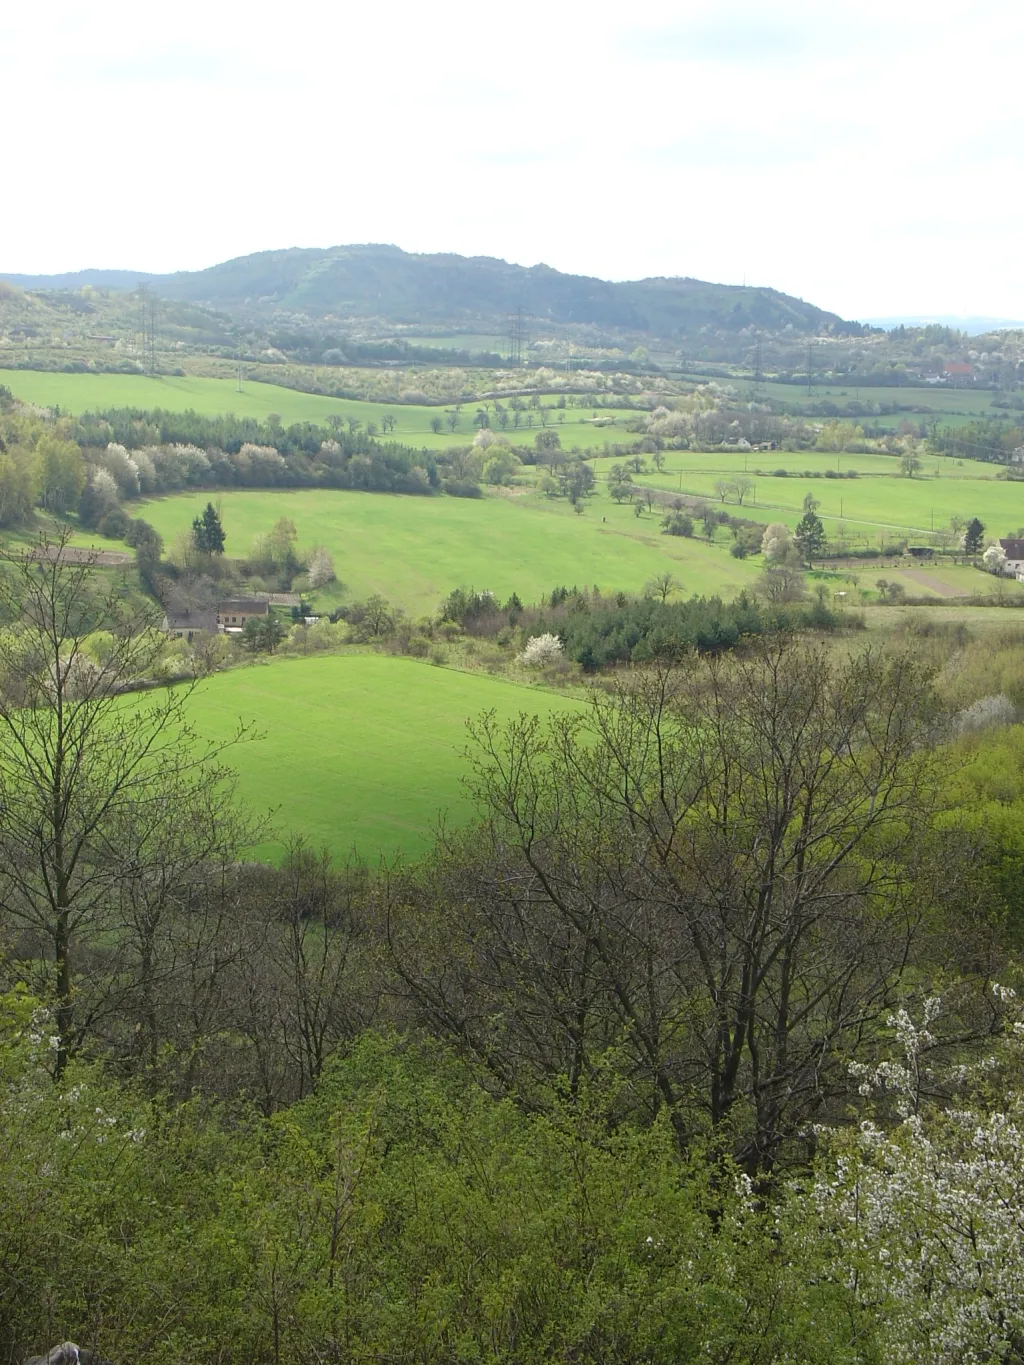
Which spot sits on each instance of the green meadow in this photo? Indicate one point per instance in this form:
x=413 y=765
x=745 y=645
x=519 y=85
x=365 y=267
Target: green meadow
x=765 y=462
x=879 y=501
x=414 y=550
x=358 y=751
x=925 y=399
x=75 y=393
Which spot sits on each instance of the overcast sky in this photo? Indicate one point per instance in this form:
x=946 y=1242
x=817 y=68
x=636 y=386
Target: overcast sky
x=865 y=156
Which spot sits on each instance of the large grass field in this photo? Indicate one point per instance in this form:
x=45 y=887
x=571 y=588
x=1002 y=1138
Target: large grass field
x=359 y=751
x=879 y=502
x=415 y=550
x=926 y=399
x=75 y=393
x=765 y=462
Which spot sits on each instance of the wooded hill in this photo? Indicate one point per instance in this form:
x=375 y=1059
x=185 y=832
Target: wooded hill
x=447 y=290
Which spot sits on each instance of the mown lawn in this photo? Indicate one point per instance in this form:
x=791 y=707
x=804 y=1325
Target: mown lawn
x=359 y=751
x=414 y=550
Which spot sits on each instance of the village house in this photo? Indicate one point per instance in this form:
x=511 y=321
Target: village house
x=233 y=614
x=958 y=372
x=185 y=625
x=1013 y=549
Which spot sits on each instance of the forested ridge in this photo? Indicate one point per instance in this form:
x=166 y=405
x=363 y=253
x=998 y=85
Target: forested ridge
x=384 y=281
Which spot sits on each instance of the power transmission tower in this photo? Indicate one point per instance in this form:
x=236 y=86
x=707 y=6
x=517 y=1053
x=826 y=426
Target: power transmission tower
x=148 y=336
x=810 y=371
x=138 y=340
x=517 y=342
x=758 y=370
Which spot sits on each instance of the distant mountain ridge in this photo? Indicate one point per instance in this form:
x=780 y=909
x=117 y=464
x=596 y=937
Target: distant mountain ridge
x=973 y=325
x=385 y=282
x=78 y=279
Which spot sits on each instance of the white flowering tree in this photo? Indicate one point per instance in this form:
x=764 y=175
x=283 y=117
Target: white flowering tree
x=542 y=651
x=928 y=1214
x=994 y=559
x=775 y=542
x=320 y=567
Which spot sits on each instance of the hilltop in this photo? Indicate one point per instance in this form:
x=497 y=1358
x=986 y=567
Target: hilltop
x=445 y=290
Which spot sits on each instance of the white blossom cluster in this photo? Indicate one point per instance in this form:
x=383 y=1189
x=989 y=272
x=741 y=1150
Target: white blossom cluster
x=541 y=651
x=929 y=1216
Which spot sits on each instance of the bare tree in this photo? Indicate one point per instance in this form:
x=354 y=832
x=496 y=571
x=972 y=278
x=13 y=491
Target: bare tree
x=81 y=762
x=704 y=883
x=662 y=586
x=742 y=485
x=307 y=982
x=781 y=583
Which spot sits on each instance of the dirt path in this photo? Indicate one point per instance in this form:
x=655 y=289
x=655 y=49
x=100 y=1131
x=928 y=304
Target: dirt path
x=75 y=554
x=937 y=586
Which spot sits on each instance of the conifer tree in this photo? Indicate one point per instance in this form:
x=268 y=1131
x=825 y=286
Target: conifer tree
x=208 y=533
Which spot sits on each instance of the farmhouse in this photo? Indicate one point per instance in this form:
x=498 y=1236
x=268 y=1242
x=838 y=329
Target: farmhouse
x=185 y=625
x=233 y=614
x=1013 y=549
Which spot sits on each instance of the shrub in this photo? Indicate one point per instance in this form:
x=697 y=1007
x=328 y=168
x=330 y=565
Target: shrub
x=986 y=713
x=542 y=652
x=677 y=524
x=747 y=541
x=114 y=524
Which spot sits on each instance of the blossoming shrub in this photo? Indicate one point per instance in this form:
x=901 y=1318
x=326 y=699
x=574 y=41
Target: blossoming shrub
x=927 y=1215
x=542 y=652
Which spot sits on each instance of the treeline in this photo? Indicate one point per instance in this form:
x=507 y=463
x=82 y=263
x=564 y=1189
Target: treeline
x=135 y=428
x=599 y=630
x=92 y=463
x=180 y=450
x=993 y=442
x=312 y=347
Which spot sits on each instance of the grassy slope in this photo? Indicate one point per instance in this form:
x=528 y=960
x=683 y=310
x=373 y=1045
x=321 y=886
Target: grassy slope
x=415 y=550
x=359 y=750
x=91 y=392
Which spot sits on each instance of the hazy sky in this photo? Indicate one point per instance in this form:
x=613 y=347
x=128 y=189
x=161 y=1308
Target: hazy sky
x=864 y=155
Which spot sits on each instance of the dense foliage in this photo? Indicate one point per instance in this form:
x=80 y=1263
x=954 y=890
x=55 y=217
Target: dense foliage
x=601 y=631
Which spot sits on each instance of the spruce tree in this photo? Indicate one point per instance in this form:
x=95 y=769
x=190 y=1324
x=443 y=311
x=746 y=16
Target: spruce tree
x=809 y=536
x=973 y=536
x=208 y=533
